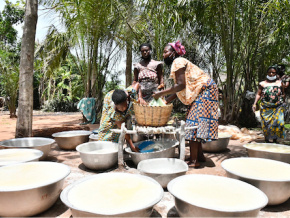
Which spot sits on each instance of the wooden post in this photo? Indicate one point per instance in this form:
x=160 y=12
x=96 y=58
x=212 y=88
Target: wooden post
x=120 y=147
x=182 y=141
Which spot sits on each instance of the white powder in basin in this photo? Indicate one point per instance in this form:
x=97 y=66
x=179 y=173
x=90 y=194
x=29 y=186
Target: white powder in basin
x=114 y=194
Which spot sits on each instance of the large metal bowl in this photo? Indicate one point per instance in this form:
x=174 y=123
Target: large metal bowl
x=13 y=156
x=218 y=145
x=112 y=194
x=269 y=151
x=200 y=195
x=163 y=170
x=39 y=143
x=270 y=176
x=69 y=140
x=99 y=155
x=27 y=189
x=168 y=151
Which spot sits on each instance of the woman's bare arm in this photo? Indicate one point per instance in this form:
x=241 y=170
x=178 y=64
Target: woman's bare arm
x=178 y=86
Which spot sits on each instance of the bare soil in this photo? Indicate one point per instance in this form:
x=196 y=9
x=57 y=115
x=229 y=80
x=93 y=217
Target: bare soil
x=165 y=208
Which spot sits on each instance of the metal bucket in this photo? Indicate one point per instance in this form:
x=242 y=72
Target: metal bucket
x=69 y=140
x=21 y=197
x=203 y=195
x=277 y=189
x=102 y=191
x=264 y=153
x=167 y=152
x=163 y=170
x=99 y=155
x=13 y=156
x=39 y=143
x=218 y=145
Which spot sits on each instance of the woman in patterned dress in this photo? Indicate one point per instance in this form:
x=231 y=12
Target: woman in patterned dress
x=117 y=108
x=196 y=89
x=149 y=74
x=271 y=93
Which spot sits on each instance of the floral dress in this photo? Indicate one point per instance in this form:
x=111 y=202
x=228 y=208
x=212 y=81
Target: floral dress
x=110 y=116
x=272 y=110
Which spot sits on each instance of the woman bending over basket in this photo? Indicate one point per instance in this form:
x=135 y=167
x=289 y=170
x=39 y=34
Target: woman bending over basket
x=117 y=108
x=148 y=73
x=196 y=89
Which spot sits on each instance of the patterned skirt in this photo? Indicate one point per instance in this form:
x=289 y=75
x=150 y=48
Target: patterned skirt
x=272 y=121
x=203 y=112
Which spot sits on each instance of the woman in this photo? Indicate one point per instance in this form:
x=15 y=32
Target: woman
x=196 y=89
x=271 y=93
x=148 y=73
x=117 y=108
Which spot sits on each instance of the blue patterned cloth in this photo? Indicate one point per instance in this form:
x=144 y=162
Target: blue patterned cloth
x=88 y=107
x=203 y=112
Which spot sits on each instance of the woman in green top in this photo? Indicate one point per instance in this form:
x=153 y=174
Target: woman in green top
x=272 y=96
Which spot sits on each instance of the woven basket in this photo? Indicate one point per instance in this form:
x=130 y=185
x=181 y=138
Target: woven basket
x=152 y=115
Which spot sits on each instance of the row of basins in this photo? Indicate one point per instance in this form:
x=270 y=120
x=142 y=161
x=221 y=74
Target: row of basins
x=29 y=187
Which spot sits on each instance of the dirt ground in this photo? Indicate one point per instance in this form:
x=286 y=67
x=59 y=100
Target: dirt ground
x=165 y=208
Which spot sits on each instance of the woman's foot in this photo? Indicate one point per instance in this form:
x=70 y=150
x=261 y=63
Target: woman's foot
x=200 y=159
x=193 y=163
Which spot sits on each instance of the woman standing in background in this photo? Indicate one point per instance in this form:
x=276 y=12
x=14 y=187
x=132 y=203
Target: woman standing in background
x=272 y=95
x=149 y=74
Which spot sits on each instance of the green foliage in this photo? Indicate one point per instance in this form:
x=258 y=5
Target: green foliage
x=60 y=105
x=113 y=83
x=11 y=15
x=9 y=77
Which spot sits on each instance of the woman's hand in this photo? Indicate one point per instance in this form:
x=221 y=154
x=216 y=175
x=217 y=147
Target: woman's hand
x=135 y=149
x=157 y=95
x=161 y=86
x=142 y=101
x=254 y=108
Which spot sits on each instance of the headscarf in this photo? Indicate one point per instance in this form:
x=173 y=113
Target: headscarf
x=272 y=67
x=180 y=50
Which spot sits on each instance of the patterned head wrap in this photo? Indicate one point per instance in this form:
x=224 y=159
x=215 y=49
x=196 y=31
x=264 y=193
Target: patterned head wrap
x=180 y=50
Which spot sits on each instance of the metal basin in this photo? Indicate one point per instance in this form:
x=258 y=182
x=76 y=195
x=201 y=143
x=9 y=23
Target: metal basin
x=112 y=194
x=169 y=146
x=270 y=176
x=200 y=195
x=93 y=137
x=13 y=156
x=218 y=145
x=32 y=191
x=99 y=155
x=69 y=140
x=163 y=170
x=269 y=151
x=39 y=143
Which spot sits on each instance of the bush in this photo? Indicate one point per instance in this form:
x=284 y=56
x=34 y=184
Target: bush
x=60 y=105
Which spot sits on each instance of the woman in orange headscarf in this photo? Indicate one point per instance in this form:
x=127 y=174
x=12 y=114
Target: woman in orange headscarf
x=196 y=89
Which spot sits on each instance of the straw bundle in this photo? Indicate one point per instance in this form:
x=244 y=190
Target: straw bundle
x=152 y=115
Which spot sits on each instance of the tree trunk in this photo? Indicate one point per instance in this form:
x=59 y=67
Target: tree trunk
x=25 y=104
x=129 y=63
